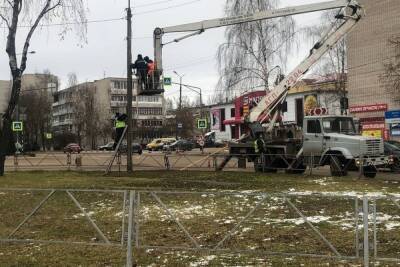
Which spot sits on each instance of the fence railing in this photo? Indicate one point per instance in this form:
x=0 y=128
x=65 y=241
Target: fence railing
x=193 y=161
x=322 y=226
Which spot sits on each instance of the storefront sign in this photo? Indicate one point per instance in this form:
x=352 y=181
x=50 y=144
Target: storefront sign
x=392 y=116
x=369 y=108
x=373 y=133
x=386 y=135
x=395 y=130
x=373 y=126
x=372 y=120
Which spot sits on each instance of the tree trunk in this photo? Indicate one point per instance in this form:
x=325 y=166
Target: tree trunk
x=7 y=146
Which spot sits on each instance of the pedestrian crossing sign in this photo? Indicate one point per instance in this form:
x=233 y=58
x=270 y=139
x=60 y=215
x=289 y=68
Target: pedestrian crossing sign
x=17 y=126
x=202 y=124
x=167 y=81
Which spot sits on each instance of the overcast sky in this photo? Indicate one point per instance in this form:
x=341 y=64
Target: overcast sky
x=104 y=55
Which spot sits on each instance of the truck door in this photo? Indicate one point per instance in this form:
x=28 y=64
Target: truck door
x=312 y=137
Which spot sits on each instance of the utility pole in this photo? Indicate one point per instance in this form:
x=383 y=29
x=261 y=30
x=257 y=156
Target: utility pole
x=180 y=103
x=129 y=89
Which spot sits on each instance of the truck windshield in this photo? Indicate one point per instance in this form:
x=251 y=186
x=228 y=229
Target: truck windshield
x=339 y=125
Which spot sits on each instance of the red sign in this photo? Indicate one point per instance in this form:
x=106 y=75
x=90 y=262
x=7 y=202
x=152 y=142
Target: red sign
x=386 y=135
x=373 y=126
x=369 y=108
x=372 y=119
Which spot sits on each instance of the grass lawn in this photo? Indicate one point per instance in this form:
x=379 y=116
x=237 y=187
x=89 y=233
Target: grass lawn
x=208 y=217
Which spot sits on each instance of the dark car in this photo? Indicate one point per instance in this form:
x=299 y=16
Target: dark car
x=182 y=145
x=393 y=152
x=72 y=148
x=107 y=147
x=395 y=143
x=136 y=148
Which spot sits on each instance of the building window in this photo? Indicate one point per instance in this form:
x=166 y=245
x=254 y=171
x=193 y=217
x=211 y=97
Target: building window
x=232 y=112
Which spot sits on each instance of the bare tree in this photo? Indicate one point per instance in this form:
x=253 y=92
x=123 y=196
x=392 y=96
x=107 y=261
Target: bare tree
x=391 y=77
x=13 y=13
x=253 y=49
x=72 y=79
x=86 y=115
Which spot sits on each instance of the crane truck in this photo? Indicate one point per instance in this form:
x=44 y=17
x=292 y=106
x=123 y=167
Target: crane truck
x=324 y=140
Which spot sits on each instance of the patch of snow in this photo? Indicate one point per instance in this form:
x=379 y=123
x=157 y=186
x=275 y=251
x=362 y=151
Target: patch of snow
x=90 y=213
x=392 y=225
x=119 y=214
x=204 y=261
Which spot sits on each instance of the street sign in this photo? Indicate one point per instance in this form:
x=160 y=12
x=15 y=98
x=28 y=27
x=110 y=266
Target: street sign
x=17 y=126
x=167 y=81
x=392 y=117
x=49 y=136
x=180 y=125
x=202 y=124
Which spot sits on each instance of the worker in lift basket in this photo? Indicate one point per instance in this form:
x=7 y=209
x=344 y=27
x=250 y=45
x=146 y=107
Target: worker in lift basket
x=141 y=71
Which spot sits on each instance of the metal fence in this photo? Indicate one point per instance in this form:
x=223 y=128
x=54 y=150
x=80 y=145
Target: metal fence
x=321 y=226
x=185 y=161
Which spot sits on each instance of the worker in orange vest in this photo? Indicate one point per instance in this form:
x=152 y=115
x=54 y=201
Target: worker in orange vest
x=151 y=66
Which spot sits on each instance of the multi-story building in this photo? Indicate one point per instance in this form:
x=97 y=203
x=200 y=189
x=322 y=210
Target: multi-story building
x=110 y=96
x=4 y=95
x=368 y=52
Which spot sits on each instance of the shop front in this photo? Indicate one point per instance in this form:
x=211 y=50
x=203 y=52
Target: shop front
x=392 y=119
x=371 y=120
x=243 y=105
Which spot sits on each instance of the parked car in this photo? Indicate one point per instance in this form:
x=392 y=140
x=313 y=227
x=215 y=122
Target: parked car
x=107 y=147
x=182 y=144
x=158 y=143
x=136 y=148
x=72 y=148
x=395 y=143
x=393 y=152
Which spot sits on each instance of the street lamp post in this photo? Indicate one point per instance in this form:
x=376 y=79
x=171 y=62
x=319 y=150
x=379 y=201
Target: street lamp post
x=180 y=102
x=180 y=89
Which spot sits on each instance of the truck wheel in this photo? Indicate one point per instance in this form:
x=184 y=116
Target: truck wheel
x=337 y=167
x=370 y=171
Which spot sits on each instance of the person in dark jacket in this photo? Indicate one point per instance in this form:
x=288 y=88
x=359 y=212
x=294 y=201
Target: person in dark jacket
x=141 y=71
x=259 y=145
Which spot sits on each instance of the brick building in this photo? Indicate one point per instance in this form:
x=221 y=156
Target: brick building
x=368 y=51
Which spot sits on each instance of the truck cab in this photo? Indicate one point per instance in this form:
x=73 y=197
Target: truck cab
x=333 y=140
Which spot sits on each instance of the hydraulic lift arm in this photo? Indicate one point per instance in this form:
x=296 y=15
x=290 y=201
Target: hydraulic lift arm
x=199 y=27
x=268 y=109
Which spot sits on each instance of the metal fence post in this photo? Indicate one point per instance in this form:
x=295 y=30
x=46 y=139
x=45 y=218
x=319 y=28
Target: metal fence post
x=15 y=162
x=366 y=238
x=311 y=163
x=69 y=161
x=361 y=169
x=129 y=256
